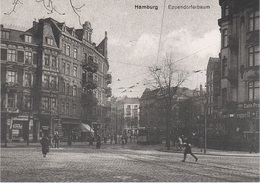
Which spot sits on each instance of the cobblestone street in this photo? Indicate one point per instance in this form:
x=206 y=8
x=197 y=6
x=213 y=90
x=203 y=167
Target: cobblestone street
x=113 y=163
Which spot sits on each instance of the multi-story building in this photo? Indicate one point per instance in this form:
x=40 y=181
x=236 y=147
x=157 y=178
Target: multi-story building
x=68 y=78
x=239 y=57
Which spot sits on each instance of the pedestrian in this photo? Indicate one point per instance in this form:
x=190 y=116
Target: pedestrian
x=45 y=142
x=188 y=151
x=111 y=139
x=123 y=142
x=56 y=140
x=179 y=144
x=252 y=145
x=98 y=144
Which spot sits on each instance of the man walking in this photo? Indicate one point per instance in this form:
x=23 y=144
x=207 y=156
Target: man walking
x=45 y=145
x=188 y=151
x=56 y=140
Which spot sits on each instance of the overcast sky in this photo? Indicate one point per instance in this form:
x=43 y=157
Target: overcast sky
x=134 y=34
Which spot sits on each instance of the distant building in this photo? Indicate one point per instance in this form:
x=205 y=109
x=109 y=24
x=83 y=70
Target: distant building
x=54 y=78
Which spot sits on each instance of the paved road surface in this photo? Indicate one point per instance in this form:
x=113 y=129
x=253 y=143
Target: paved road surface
x=117 y=164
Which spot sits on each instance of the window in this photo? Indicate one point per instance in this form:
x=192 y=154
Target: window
x=68 y=50
x=67 y=108
x=254 y=21
x=5 y=35
x=54 y=62
x=74 y=90
x=53 y=104
x=63 y=87
x=224 y=38
x=63 y=107
x=28 y=57
x=49 y=41
x=74 y=109
x=45 y=103
x=11 y=77
x=63 y=67
x=75 y=71
x=20 y=56
x=35 y=58
x=253 y=55
x=27 y=79
x=47 y=59
x=11 y=55
x=3 y=54
x=68 y=69
x=253 y=91
x=53 y=82
x=27 y=38
x=224 y=67
x=11 y=102
x=64 y=48
x=75 y=53
x=26 y=102
x=226 y=11
x=46 y=80
x=68 y=88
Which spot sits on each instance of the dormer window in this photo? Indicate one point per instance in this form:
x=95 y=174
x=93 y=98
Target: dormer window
x=27 y=38
x=5 y=35
x=49 y=41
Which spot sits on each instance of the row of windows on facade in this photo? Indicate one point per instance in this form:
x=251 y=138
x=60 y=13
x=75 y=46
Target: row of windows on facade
x=11 y=103
x=11 y=78
x=253 y=59
x=11 y=55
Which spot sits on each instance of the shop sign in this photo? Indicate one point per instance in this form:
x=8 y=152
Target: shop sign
x=248 y=105
x=45 y=127
x=17 y=126
x=15 y=132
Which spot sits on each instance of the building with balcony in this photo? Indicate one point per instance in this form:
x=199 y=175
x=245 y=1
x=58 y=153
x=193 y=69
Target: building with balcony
x=60 y=74
x=239 y=57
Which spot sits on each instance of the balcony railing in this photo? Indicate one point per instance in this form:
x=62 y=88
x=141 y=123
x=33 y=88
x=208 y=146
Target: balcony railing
x=90 y=66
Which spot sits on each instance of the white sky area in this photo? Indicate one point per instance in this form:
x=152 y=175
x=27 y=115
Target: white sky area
x=191 y=35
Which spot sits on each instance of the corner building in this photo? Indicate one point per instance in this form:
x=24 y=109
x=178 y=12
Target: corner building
x=239 y=57
x=68 y=85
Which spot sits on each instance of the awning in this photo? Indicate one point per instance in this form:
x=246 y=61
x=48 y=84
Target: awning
x=86 y=128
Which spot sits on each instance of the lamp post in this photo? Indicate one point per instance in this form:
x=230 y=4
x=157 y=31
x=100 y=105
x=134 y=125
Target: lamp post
x=205 y=132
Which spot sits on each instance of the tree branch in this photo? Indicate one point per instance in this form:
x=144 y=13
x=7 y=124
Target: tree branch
x=15 y=3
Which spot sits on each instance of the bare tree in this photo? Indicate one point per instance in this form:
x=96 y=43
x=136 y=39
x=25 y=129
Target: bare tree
x=168 y=78
x=49 y=6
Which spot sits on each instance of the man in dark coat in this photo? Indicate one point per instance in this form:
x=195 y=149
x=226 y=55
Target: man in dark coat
x=56 y=140
x=188 y=151
x=45 y=145
x=98 y=144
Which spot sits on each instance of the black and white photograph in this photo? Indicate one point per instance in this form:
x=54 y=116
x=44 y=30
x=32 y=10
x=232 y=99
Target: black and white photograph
x=130 y=91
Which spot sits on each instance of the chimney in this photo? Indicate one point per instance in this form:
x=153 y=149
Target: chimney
x=105 y=45
x=34 y=22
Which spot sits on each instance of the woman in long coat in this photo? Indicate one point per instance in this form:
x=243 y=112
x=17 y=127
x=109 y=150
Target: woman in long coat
x=45 y=145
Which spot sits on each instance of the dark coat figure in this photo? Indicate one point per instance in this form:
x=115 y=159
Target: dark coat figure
x=98 y=144
x=252 y=145
x=188 y=151
x=56 y=140
x=91 y=140
x=45 y=142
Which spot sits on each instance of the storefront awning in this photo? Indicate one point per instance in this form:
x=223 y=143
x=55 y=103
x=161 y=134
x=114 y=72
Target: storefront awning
x=86 y=128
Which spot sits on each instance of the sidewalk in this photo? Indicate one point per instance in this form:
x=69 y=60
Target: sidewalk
x=134 y=146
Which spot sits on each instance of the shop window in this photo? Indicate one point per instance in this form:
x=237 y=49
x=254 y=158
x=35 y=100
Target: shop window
x=253 y=91
x=253 y=55
x=11 y=56
x=28 y=57
x=3 y=54
x=254 y=21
